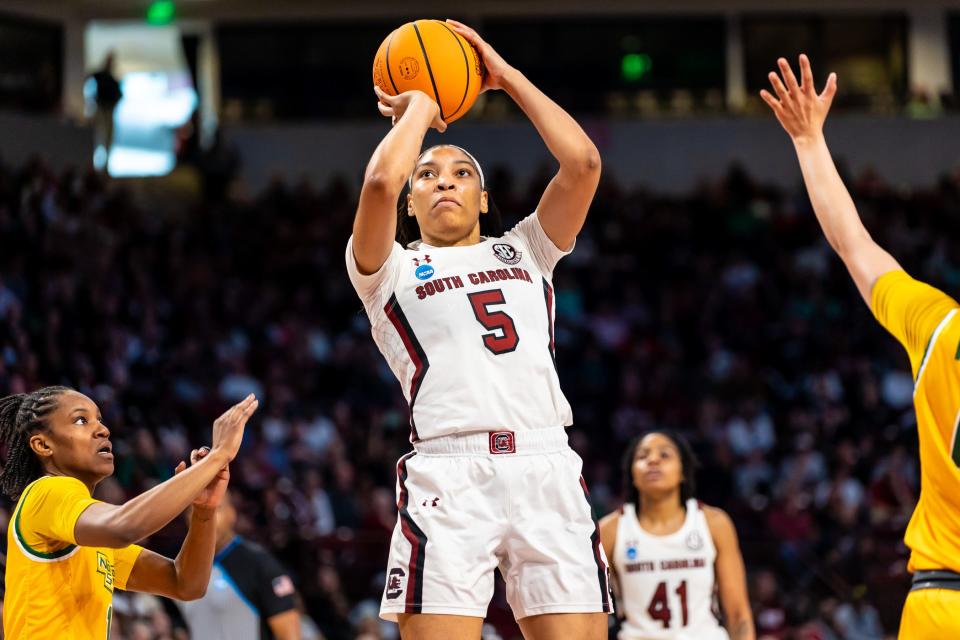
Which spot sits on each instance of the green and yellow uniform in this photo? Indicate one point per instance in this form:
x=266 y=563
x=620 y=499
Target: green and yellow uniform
x=925 y=321
x=57 y=589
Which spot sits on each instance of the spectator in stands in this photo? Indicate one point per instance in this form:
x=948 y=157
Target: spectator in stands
x=107 y=96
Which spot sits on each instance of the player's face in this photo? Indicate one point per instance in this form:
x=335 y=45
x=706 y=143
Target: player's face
x=656 y=465
x=446 y=197
x=77 y=443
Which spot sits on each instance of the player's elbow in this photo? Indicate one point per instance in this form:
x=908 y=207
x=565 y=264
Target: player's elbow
x=186 y=593
x=839 y=246
x=849 y=245
x=739 y=616
x=381 y=182
x=586 y=162
x=591 y=159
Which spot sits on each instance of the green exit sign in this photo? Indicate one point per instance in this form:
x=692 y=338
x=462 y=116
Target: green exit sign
x=635 y=66
x=161 y=12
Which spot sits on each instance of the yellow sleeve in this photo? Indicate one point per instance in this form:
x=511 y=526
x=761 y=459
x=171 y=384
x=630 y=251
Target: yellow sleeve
x=910 y=310
x=123 y=562
x=50 y=510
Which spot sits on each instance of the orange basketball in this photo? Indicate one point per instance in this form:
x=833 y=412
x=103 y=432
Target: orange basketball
x=430 y=56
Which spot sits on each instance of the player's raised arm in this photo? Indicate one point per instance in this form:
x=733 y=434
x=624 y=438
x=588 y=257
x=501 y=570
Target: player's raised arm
x=802 y=112
x=413 y=113
x=566 y=201
x=117 y=526
x=187 y=576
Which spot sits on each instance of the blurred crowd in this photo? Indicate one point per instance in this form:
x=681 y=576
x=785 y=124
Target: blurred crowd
x=721 y=313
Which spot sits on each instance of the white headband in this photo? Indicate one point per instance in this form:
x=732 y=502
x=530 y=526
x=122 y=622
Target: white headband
x=483 y=182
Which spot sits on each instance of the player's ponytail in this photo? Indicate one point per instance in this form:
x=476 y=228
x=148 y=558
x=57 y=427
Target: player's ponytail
x=688 y=463
x=21 y=416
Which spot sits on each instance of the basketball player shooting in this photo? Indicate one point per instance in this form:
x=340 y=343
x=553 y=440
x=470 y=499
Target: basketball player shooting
x=463 y=314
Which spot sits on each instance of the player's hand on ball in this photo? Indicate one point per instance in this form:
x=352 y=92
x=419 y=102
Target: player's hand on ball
x=212 y=494
x=495 y=66
x=799 y=108
x=394 y=107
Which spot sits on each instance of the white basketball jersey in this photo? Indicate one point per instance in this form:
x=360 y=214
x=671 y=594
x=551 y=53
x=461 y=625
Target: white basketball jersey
x=468 y=332
x=667 y=582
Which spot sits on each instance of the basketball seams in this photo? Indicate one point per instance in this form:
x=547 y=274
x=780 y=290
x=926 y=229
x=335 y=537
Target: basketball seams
x=466 y=64
x=426 y=59
x=440 y=77
x=387 y=63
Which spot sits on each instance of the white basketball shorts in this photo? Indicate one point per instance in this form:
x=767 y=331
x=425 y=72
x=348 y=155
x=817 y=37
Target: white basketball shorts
x=472 y=503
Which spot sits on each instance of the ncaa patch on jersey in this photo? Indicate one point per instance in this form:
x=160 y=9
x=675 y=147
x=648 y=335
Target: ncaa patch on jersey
x=424 y=272
x=506 y=254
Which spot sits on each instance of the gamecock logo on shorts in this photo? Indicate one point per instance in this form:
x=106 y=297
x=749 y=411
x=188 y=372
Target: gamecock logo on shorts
x=502 y=442
x=506 y=253
x=395 y=584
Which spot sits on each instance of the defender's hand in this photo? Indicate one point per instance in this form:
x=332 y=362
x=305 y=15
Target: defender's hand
x=212 y=494
x=798 y=107
x=228 y=428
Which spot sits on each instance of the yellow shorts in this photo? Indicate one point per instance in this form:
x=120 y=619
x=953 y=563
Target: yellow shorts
x=931 y=614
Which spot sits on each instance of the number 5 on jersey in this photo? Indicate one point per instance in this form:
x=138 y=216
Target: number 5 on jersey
x=503 y=336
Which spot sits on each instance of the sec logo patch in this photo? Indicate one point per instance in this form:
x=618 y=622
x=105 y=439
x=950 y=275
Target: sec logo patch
x=506 y=253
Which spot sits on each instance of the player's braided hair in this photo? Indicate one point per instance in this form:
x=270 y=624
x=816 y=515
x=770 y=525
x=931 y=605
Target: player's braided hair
x=21 y=416
x=688 y=463
x=408 y=229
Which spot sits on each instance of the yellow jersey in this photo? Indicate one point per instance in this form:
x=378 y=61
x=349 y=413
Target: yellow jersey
x=57 y=589
x=925 y=322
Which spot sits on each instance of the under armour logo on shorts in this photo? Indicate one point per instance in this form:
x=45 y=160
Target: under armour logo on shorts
x=502 y=442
